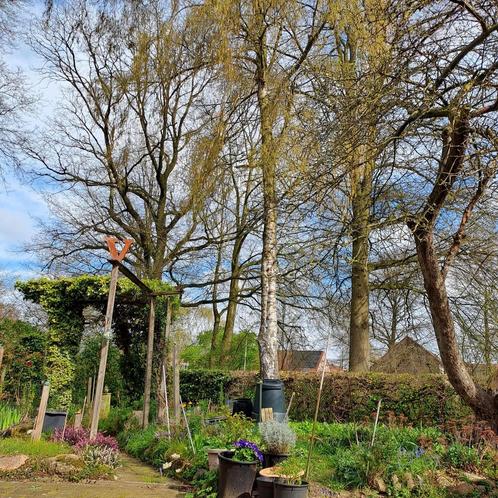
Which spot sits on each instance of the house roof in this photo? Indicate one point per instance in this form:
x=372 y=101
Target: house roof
x=408 y=356
x=299 y=360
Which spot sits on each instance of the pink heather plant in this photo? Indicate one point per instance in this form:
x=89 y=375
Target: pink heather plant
x=80 y=438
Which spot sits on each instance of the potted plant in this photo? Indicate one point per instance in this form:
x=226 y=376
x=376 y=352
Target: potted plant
x=278 y=439
x=237 y=469
x=289 y=483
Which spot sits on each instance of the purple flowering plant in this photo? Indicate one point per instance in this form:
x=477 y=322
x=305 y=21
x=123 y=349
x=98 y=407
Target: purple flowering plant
x=246 y=451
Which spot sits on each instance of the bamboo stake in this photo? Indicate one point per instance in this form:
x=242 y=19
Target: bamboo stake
x=37 y=430
x=148 y=368
x=376 y=423
x=168 y=425
x=320 y=389
x=104 y=351
x=188 y=427
x=176 y=386
x=289 y=405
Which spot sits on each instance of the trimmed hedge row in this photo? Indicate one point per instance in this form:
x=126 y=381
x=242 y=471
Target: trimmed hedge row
x=420 y=400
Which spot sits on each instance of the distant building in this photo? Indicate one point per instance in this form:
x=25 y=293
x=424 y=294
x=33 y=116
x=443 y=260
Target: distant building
x=305 y=361
x=408 y=356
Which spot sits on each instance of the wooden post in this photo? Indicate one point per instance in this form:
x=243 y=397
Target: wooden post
x=1 y=356
x=2 y=375
x=89 y=390
x=104 y=351
x=162 y=398
x=176 y=385
x=168 y=425
x=37 y=430
x=148 y=366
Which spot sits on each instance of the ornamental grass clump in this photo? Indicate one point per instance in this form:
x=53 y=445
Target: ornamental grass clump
x=246 y=451
x=100 y=455
x=278 y=437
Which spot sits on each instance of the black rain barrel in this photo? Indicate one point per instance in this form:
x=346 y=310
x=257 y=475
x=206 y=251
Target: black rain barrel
x=54 y=420
x=272 y=392
x=242 y=405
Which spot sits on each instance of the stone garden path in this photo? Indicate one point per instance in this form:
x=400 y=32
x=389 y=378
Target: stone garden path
x=134 y=480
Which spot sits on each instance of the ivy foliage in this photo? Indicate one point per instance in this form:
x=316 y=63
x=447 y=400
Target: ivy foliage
x=24 y=359
x=64 y=300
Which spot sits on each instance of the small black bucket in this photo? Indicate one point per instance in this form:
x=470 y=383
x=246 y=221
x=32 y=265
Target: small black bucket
x=54 y=420
x=242 y=405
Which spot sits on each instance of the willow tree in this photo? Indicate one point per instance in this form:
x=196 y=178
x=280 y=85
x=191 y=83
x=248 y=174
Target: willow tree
x=263 y=45
x=131 y=138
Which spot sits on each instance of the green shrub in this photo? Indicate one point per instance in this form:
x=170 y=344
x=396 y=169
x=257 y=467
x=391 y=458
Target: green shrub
x=116 y=421
x=9 y=416
x=462 y=457
x=422 y=400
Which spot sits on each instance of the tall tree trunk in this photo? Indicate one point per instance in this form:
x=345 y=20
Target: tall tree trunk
x=359 y=343
x=233 y=295
x=216 y=312
x=268 y=331
x=483 y=403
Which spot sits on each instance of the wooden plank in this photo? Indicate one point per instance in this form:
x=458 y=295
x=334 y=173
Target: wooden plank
x=104 y=351
x=130 y=275
x=266 y=414
x=37 y=430
x=148 y=365
x=1 y=356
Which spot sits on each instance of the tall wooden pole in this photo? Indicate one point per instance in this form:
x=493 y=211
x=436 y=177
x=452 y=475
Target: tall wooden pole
x=176 y=385
x=104 y=350
x=37 y=430
x=162 y=399
x=148 y=366
x=1 y=356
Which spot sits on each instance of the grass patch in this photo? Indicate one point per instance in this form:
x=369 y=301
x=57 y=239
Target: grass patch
x=42 y=448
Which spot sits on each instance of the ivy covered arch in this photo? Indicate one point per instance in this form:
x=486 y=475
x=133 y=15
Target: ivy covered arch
x=64 y=300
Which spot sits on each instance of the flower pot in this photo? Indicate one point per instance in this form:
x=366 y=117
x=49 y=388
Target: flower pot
x=213 y=457
x=271 y=459
x=264 y=487
x=235 y=479
x=281 y=490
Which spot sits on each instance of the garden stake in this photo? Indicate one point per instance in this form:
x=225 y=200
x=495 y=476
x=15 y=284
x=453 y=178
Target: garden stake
x=168 y=425
x=313 y=427
x=289 y=405
x=376 y=422
x=188 y=427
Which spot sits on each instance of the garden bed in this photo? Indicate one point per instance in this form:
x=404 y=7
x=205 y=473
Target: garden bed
x=402 y=462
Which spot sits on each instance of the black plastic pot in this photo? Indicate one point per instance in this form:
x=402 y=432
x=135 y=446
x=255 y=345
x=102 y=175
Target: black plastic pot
x=242 y=405
x=270 y=460
x=281 y=490
x=270 y=394
x=264 y=487
x=54 y=420
x=235 y=479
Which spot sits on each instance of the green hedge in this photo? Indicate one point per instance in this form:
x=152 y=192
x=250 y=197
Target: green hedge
x=425 y=399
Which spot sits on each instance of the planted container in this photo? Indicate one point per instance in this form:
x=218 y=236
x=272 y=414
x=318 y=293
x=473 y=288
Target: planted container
x=264 y=487
x=273 y=459
x=283 y=490
x=236 y=479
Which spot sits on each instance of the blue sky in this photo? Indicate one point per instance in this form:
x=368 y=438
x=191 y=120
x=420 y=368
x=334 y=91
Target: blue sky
x=20 y=204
